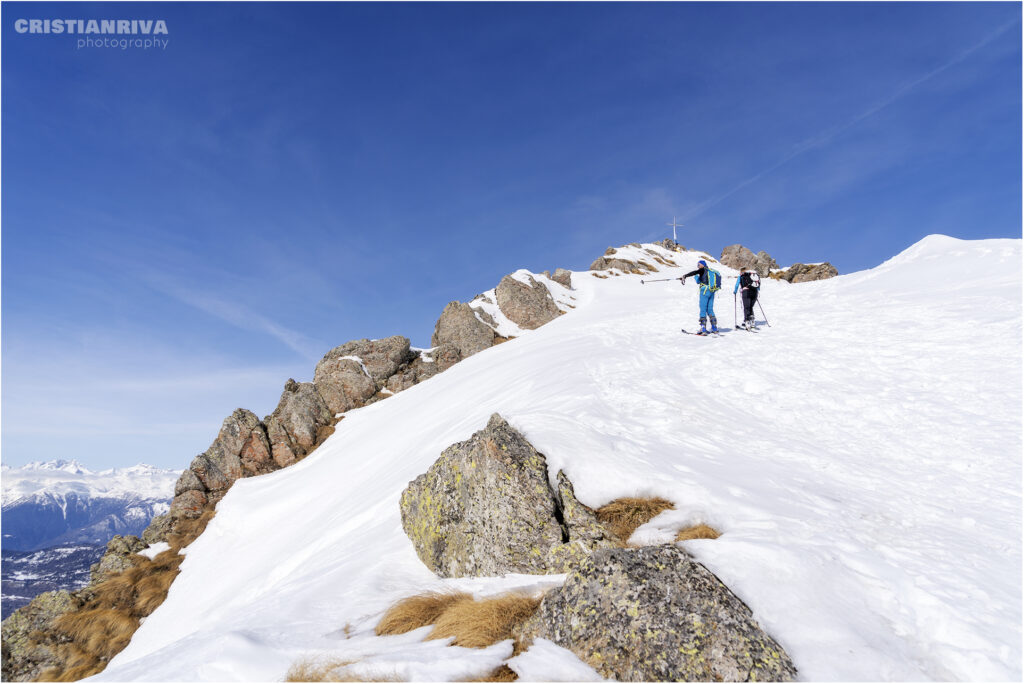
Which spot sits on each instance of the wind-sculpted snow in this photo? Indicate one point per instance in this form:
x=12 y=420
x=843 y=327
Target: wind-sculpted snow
x=861 y=458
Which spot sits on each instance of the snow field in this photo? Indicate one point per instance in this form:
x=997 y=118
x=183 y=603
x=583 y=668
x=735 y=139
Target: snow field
x=861 y=458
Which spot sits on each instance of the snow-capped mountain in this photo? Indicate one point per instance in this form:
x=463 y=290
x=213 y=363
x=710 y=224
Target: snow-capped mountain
x=62 y=502
x=861 y=457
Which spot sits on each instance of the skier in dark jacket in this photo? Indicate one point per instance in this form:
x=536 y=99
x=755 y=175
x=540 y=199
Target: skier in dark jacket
x=749 y=282
x=707 y=295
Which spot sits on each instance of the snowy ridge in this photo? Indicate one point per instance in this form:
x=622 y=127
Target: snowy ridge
x=861 y=458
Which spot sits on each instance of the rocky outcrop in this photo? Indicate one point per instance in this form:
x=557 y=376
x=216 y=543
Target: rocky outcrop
x=459 y=327
x=670 y=245
x=119 y=556
x=298 y=424
x=655 y=614
x=742 y=259
x=24 y=656
x=561 y=276
x=527 y=304
x=802 y=273
x=350 y=374
x=486 y=507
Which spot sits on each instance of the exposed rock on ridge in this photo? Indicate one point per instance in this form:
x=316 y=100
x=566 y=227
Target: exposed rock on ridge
x=802 y=273
x=486 y=507
x=655 y=614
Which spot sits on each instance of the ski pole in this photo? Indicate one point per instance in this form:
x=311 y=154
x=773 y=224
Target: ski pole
x=658 y=280
x=762 y=312
x=734 y=324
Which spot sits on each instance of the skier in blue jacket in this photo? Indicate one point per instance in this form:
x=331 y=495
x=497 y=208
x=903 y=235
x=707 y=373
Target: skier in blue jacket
x=707 y=294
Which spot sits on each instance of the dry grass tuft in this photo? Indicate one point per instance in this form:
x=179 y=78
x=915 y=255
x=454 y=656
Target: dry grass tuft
x=624 y=515
x=418 y=611
x=102 y=632
x=318 y=670
x=478 y=624
x=502 y=674
x=700 y=531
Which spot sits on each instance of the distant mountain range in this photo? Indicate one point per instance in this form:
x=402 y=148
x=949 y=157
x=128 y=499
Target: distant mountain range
x=62 y=503
x=58 y=516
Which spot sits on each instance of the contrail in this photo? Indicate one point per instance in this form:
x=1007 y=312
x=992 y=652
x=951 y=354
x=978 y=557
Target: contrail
x=827 y=136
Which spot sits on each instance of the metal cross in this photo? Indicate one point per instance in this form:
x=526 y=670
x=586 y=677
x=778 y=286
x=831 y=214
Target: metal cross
x=674 y=226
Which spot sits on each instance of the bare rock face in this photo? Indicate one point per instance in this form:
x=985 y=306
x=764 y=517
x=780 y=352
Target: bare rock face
x=459 y=327
x=742 y=259
x=624 y=265
x=485 y=507
x=671 y=245
x=119 y=556
x=295 y=426
x=528 y=305
x=212 y=472
x=654 y=614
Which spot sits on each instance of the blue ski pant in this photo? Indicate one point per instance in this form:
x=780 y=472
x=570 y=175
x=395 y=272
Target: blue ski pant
x=707 y=307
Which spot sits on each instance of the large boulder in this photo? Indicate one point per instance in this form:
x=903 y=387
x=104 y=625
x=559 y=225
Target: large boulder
x=459 y=327
x=655 y=614
x=486 y=507
x=743 y=259
x=527 y=304
x=24 y=656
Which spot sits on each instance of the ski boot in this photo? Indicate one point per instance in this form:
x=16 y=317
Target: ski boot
x=714 y=326
x=703 y=328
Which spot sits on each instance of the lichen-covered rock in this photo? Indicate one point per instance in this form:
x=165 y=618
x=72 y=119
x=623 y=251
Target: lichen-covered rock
x=188 y=480
x=445 y=356
x=459 y=327
x=24 y=659
x=743 y=259
x=411 y=374
x=655 y=614
x=527 y=304
x=120 y=555
x=159 y=528
x=486 y=507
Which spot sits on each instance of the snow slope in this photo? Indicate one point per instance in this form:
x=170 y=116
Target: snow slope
x=861 y=456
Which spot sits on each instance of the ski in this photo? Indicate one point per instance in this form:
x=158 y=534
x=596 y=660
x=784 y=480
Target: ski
x=753 y=330
x=707 y=334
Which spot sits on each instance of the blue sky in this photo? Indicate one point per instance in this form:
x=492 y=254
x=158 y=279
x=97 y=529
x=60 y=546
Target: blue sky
x=185 y=228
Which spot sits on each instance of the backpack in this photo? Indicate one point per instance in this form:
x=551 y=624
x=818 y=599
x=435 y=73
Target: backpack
x=751 y=280
x=714 y=281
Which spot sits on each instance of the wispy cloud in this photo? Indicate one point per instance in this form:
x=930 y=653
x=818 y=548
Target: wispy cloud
x=238 y=315
x=825 y=137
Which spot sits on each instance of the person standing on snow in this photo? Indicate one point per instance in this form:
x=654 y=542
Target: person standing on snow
x=749 y=282
x=710 y=283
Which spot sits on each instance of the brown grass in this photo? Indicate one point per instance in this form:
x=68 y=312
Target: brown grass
x=498 y=339
x=418 y=611
x=478 y=624
x=102 y=632
x=502 y=674
x=700 y=531
x=317 y=670
x=624 y=515
x=90 y=636
x=602 y=277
